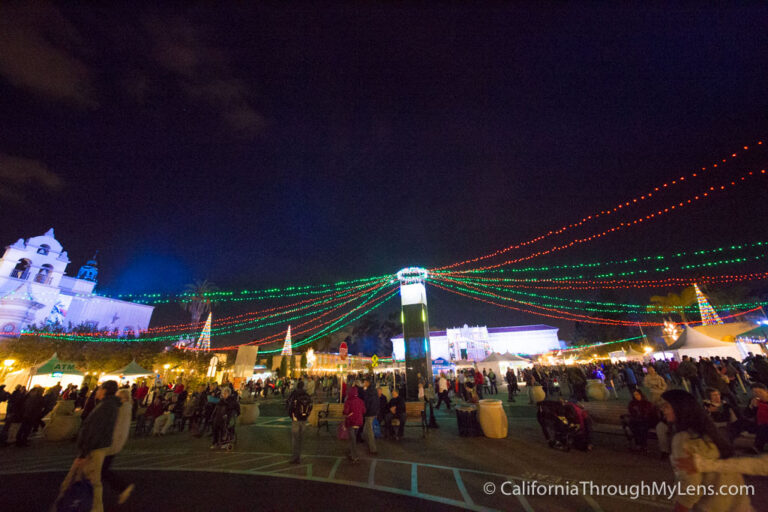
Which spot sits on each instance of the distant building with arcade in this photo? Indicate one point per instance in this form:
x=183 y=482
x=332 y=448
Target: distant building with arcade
x=35 y=291
x=478 y=342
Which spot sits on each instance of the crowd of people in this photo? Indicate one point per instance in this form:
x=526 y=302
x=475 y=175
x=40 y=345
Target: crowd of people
x=697 y=407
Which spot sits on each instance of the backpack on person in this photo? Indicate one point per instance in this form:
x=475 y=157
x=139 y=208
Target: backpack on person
x=301 y=407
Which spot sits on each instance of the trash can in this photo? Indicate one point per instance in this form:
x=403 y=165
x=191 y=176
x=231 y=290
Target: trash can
x=492 y=418
x=466 y=416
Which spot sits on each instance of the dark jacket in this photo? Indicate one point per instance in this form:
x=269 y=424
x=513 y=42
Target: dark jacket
x=382 y=406
x=34 y=406
x=642 y=410
x=226 y=408
x=399 y=405
x=97 y=429
x=16 y=405
x=371 y=399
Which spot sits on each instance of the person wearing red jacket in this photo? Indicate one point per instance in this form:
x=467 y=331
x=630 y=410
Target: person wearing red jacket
x=479 y=379
x=759 y=406
x=354 y=409
x=642 y=416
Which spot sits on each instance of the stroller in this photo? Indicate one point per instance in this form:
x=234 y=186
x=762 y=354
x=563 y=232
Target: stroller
x=562 y=425
x=224 y=434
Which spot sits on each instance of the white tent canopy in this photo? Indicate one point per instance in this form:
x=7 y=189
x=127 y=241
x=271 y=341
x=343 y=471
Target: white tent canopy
x=627 y=355
x=129 y=372
x=46 y=374
x=499 y=363
x=696 y=342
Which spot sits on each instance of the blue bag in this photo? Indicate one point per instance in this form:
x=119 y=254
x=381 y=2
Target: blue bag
x=77 y=498
x=376 y=428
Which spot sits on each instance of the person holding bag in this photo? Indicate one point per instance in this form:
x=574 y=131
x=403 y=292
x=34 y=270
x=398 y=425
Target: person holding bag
x=354 y=409
x=93 y=444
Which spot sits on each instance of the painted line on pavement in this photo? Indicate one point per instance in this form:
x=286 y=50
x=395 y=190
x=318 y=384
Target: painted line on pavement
x=262 y=468
x=462 y=487
x=371 y=472
x=332 y=474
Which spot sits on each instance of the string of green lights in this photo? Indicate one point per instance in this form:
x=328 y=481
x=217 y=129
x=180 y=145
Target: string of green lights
x=600 y=343
x=243 y=295
x=615 y=307
x=330 y=330
x=599 y=264
x=610 y=275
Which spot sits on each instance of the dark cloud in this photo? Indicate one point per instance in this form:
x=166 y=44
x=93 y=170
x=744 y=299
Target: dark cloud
x=37 y=53
x=22 y=177
x=204 y=75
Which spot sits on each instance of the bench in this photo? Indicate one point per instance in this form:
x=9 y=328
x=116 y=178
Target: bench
x=327 y=413
x=334 y=412
x=612 y=414
x=414 y=411
x=605 y=412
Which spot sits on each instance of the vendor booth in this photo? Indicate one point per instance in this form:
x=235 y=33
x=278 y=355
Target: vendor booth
x=500 y=362
x=47 y=374
x=626 y=355
x=441 y=365
x=710 y=341
x=128 y=373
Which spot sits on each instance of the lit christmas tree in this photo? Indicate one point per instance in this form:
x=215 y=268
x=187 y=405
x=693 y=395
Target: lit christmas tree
x=708 y=313
x=204 y=341
x=287 y=351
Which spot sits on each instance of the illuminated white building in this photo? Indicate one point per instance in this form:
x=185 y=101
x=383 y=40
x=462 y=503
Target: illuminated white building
x=35 y=290
x=478 y=342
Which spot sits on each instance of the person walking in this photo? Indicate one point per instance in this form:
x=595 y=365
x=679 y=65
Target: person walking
x=479 y=381
x=354 y=409
x=492 y=379
x=33 y=413
x=119 y=437
x=697 y=434
x=371 y=400
x=442 y=392
x=511 y=384
x=93 y=443
x=299 y=408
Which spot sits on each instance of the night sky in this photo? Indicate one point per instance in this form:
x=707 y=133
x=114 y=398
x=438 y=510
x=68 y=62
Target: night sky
x=268 y=146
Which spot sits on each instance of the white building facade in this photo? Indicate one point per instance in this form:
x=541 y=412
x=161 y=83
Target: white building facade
x=478 y=342
x=35 y=291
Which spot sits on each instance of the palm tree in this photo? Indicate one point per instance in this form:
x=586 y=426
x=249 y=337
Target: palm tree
x=674 y=303
x=198 y=299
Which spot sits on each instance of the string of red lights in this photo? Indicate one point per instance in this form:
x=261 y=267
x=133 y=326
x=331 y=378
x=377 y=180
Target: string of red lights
x=589 y=218
x=620 y=226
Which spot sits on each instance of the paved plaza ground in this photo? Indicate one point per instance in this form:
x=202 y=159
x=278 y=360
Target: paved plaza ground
x=179 y=472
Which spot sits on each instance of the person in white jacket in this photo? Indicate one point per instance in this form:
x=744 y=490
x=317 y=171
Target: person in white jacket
x=119 y=438
x=744 y=465
x=655 y=384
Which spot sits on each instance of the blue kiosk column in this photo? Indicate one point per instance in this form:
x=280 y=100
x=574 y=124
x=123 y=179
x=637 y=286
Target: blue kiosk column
x=418 y=360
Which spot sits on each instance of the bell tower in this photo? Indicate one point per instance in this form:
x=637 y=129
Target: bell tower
x=90 y=270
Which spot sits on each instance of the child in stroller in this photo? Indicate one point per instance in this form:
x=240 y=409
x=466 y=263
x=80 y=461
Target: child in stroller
x=224 y=418
x=565 y=424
